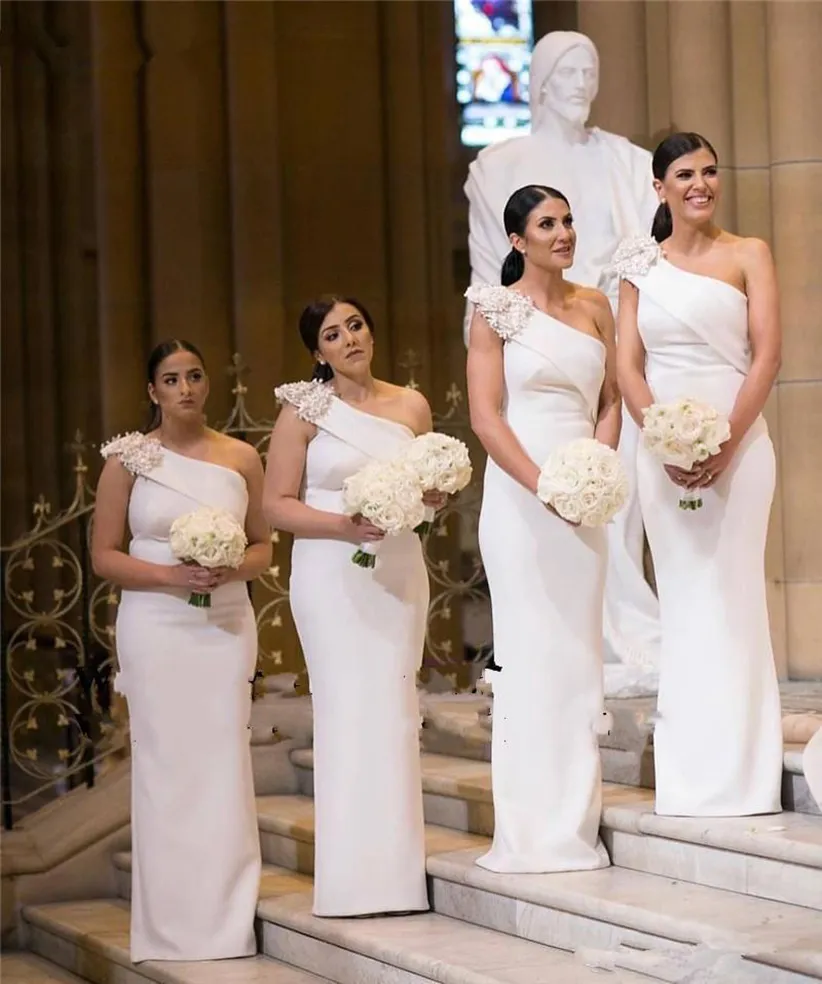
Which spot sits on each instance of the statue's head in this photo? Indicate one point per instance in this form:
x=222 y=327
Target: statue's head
x=564 y=78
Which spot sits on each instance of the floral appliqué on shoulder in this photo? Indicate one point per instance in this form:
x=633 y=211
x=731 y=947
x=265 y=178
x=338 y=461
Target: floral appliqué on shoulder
x=635 y=256
x=311 y=400
x=138 y=453
x=505 y=310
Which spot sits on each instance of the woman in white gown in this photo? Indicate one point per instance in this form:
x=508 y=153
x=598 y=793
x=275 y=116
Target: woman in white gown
x=699 y=318
x=541 y=374
x=185 y=671
x=362 y=630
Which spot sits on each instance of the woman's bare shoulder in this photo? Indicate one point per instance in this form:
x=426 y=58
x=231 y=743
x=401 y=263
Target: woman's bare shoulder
x=232 y=451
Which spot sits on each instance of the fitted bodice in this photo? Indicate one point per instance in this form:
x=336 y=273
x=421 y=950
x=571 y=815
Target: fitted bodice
x=345 y=441
x=695 y=333
x=553 y=373
x=331 y=459
x=679 y=363
x=553 y=376
x=178 y=486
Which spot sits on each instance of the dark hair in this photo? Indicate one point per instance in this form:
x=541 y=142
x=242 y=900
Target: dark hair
x=311 y=320
x=515 y=217
x=671 y=149
x=158 y=355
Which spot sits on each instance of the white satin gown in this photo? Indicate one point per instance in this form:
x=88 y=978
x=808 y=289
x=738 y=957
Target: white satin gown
x=186 y=673
x=718 y=737
x=546 y=580
x=362 y=632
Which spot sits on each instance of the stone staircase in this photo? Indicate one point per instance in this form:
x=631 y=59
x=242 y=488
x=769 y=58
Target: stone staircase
x=727 y=901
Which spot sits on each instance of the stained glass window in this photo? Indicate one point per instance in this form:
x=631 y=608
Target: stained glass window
x=494 y=43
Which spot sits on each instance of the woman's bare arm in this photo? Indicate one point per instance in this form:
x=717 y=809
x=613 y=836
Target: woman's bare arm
x=630 y=359
x=258 y=554
x=485 y=394
x=765 y=333
x=108 y=558
x=284 y=473
x=609 y=414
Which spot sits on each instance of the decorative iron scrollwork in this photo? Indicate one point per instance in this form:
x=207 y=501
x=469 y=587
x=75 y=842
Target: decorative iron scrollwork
x=64 y=724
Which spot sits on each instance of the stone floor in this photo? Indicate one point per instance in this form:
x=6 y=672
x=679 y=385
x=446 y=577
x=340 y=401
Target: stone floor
x=708 y=901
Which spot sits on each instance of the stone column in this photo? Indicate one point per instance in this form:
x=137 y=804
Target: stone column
x=698 y=54
x=618 y=31
x=795 y=85
x=752 y=173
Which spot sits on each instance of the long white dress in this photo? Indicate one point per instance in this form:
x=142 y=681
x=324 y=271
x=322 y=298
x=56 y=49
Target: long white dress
x=186 y=673
x=718 y=737
x=362 y=633
x=608 y=181
x=546 y=580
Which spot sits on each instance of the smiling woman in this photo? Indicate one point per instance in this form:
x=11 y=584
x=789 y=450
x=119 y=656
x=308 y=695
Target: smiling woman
x=699 y=320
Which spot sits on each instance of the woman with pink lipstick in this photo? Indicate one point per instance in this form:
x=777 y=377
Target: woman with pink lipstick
x=541 y=374
x=362 y=630
x=699 y=320
x=185 y=671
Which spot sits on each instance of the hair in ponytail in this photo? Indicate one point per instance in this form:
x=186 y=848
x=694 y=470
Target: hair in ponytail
x=513 y=267
x=322 y=372
x=311 y=321
x=158 y=355
x=515 y=218
x=671 y=149
x=663 y=224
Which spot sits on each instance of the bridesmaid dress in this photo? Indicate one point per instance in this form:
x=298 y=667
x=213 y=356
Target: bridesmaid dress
x=718 y=736
x=546 y=580
x=362 y=632
x=186 y=674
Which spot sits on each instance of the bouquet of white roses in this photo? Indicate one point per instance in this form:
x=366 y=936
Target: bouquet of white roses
x=387 y=494
x=683 y=434
x=442 y=464
x=210 y=538
x=585 y=482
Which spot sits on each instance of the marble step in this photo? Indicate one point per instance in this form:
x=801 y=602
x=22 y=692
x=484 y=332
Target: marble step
x=274 y=880
x=774 y=857
x=428 y=947
x=404 y=950
x=286 y=826
x=666 y=928
x=26 y=968
x=796 y=794
x=287 y=833
x=91 y=940
x=607 y=912
x=771 y=857
x=673 y=923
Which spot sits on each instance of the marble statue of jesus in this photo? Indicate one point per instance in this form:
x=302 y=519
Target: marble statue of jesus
x=608 y=182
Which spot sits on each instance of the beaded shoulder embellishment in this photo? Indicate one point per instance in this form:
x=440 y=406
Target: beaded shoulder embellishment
x=311 y=400
x=506 y=311
x=635 y=256
x=138 y=452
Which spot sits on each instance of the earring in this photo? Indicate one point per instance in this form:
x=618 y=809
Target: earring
x=321 y=362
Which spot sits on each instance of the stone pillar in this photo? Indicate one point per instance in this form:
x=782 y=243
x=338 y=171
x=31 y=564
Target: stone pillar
x=618 y=31
x=698 y=54
x=795 y=84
